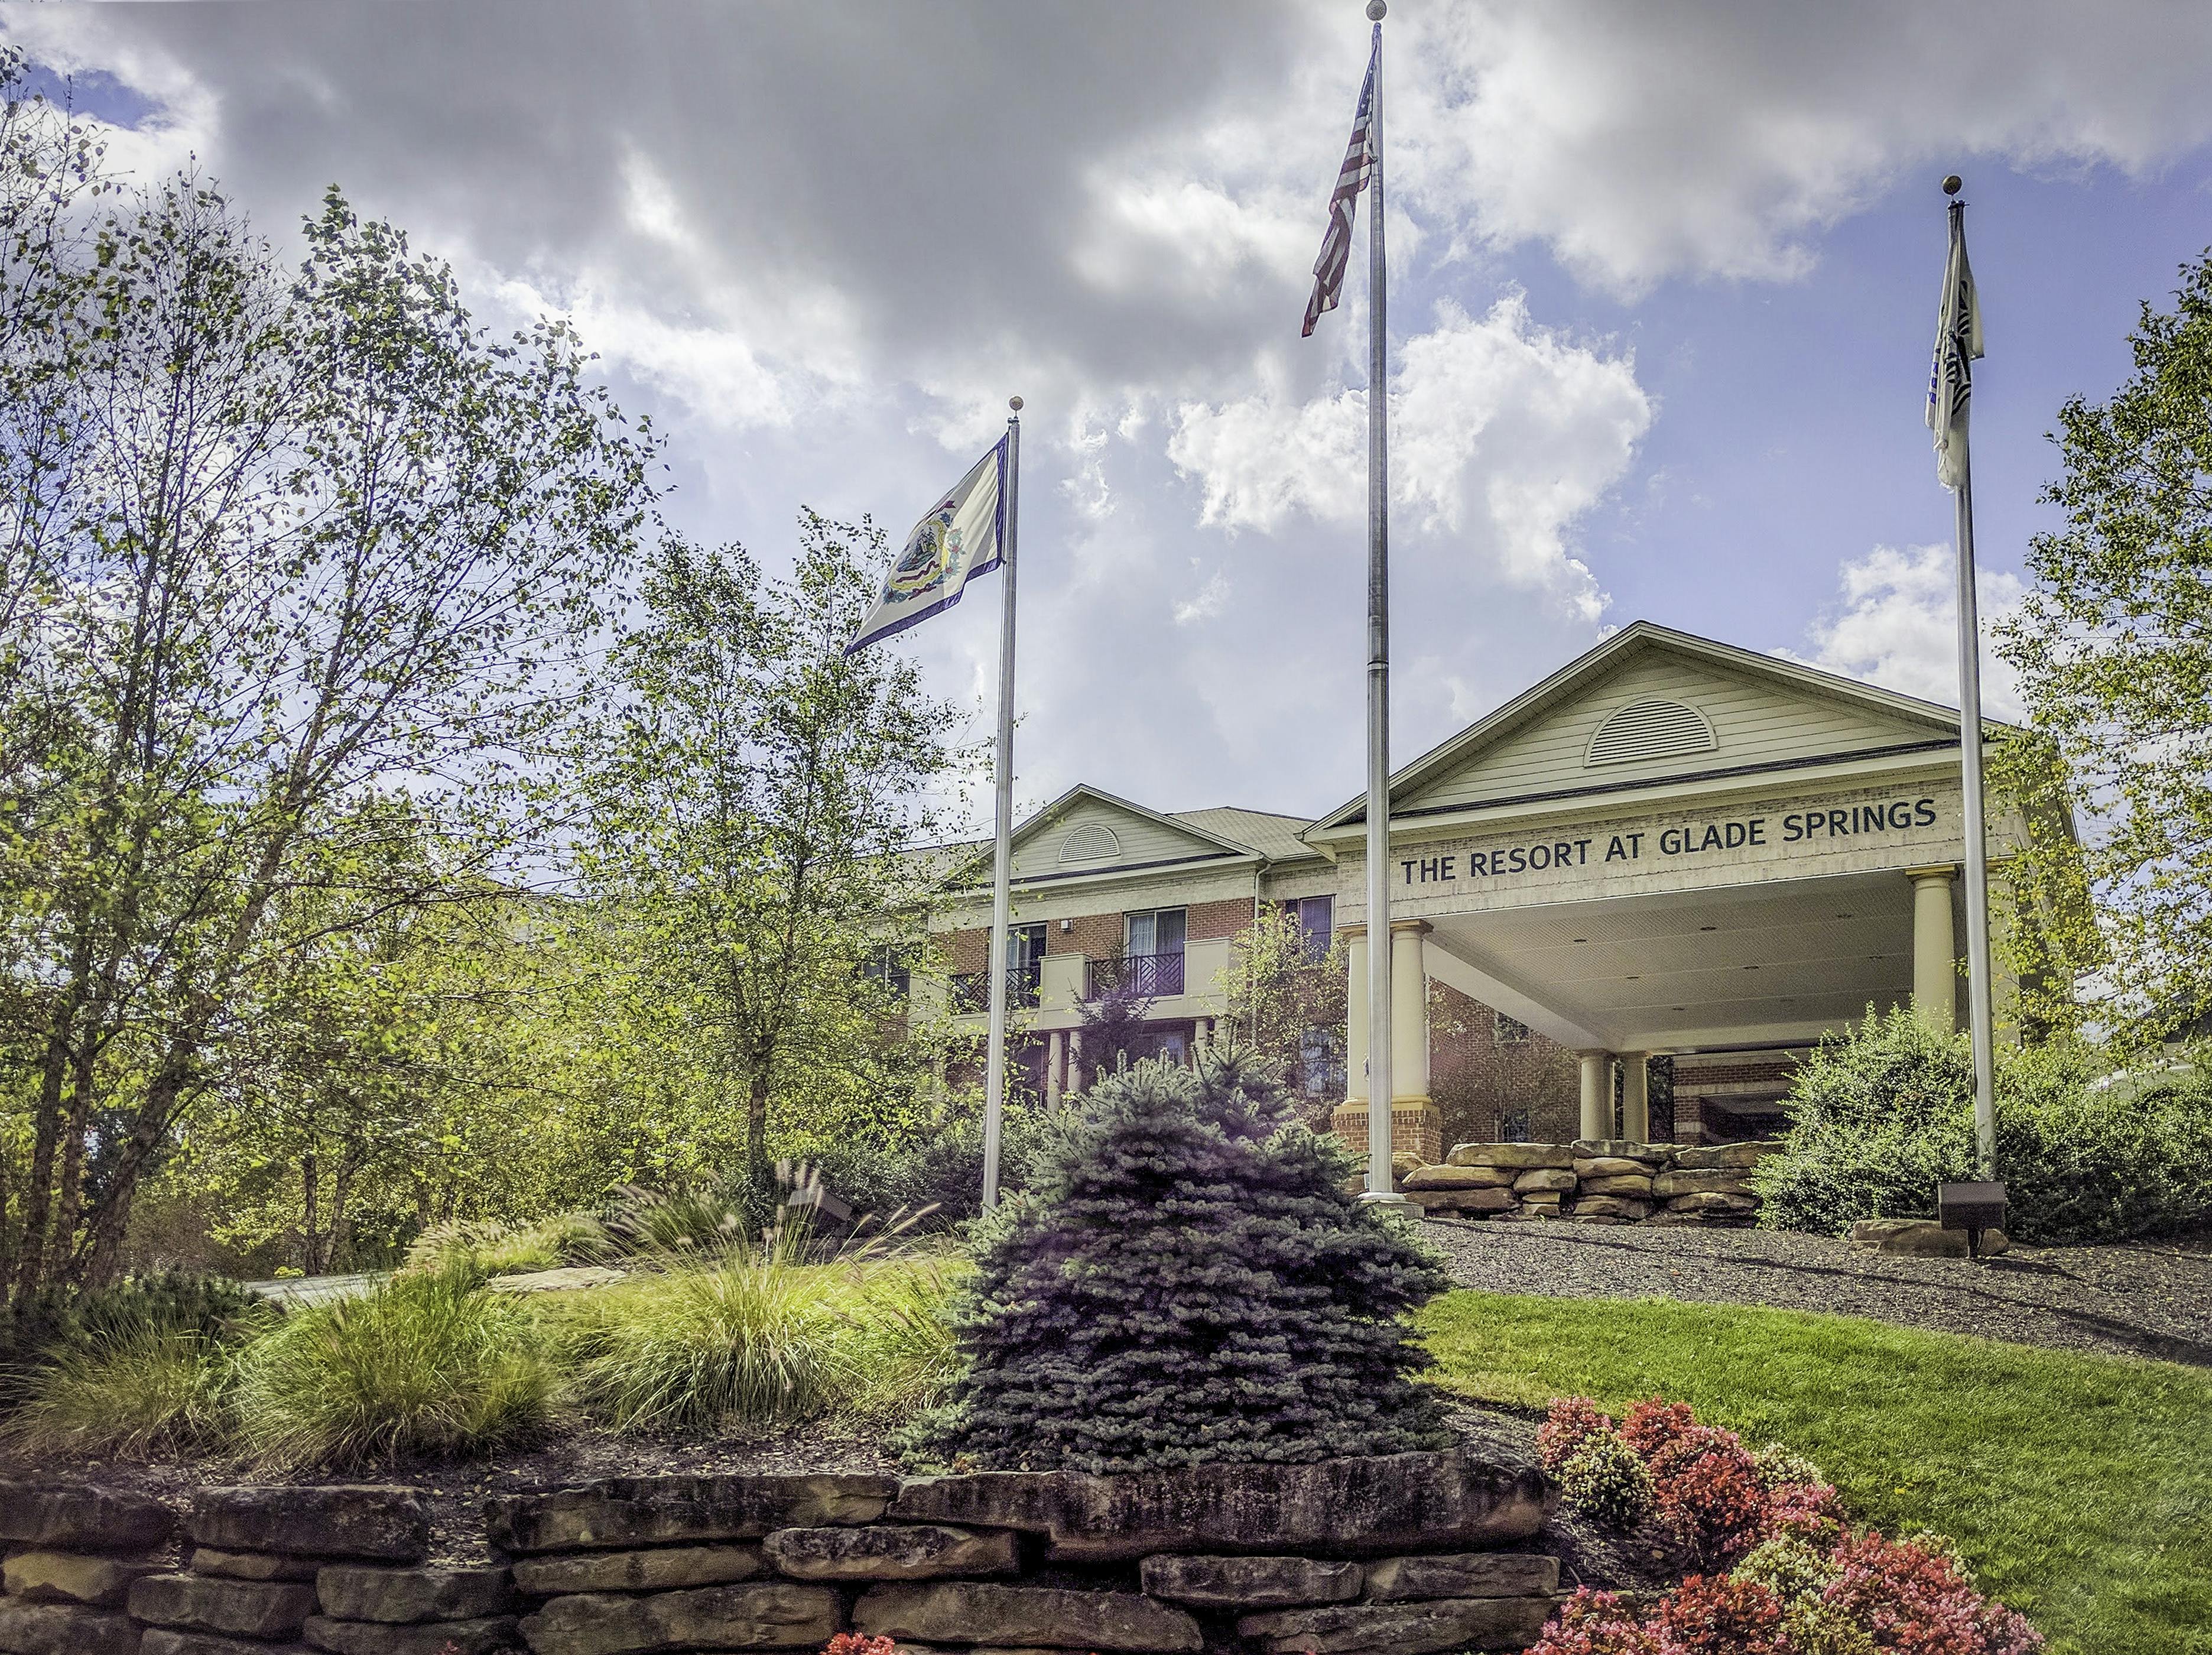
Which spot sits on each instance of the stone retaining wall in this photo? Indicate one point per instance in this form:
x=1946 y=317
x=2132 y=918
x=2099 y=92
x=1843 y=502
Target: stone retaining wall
x=1400 y=1553
x=1605 y=1181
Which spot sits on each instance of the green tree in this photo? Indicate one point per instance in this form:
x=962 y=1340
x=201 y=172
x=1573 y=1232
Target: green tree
x=2113 y=647
x=1286 y=1003
x=1185 y=1279
x=745 y=799
x=313 y=539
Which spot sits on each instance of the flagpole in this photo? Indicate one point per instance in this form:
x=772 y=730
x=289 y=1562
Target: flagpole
x=1970 y=748
x=995 y=1062
x=1379 y=1078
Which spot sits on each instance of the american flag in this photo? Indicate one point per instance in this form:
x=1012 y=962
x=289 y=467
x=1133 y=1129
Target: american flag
x=1360 y=162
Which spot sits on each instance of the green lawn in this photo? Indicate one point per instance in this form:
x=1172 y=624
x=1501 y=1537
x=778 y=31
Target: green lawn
x=2079 y=1487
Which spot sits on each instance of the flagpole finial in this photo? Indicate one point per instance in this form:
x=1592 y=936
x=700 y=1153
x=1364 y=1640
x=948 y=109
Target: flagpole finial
x=1014 y=403
x=1952 y=184
x=1376 y=10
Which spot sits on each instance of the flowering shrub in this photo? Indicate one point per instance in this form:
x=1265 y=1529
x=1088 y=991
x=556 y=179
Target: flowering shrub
x=1805 y=1584
x=852 y=1643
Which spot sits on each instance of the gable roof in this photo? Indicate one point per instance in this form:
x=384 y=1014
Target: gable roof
x=1615 y=653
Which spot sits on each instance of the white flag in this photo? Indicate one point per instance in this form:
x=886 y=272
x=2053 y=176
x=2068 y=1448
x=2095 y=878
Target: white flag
x=963 y=536
x=1958 y=344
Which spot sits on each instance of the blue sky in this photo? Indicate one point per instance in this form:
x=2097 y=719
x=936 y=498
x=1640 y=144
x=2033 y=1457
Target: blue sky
x=1664 y=281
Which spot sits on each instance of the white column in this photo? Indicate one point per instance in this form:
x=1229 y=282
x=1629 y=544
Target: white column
x=1635 y=1096
x=1355 y=1015
x=1075 y=1060
x=1934 y=950
x=1055 y=1051
x=1597 y=1094
x=1409 y=1012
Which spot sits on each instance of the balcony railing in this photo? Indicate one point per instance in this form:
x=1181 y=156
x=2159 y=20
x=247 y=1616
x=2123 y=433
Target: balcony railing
x=971 y=990
x=1154 y=977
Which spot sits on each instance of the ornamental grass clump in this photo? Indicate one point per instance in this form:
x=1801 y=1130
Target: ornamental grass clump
x=427 y=1364
x=1186 y=1281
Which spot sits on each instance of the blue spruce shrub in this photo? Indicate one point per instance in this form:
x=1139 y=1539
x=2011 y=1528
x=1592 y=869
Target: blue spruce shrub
x=1185 y=1280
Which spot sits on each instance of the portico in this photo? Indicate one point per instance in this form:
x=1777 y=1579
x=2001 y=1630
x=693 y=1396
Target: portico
x=1671 y=847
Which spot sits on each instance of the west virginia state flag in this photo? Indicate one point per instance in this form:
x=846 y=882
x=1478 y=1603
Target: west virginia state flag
x=964 y=536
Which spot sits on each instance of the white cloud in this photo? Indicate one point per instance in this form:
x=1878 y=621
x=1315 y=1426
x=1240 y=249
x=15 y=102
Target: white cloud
x=1719 y=138
x=1504 y=434
x=1211 y=600
x=1898 y=626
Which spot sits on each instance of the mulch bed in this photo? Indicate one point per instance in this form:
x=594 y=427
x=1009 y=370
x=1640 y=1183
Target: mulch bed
x=2152 y=1299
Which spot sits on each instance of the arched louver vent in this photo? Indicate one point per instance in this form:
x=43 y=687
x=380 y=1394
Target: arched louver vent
x=1090 y=844
x=1650 y=729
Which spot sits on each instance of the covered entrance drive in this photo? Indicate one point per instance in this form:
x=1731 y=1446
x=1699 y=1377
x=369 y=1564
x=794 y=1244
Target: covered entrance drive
x=1675 y=847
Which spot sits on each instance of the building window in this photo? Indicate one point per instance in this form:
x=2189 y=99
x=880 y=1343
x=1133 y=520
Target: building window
x=1514 y=1125
x=1321 y=1064
x=888 y=966
x=1510 y=1031
x=1160 y=931
x=1315 y=918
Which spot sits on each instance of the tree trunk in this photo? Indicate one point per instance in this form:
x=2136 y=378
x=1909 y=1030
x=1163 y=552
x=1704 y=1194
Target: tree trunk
x=310 y=1259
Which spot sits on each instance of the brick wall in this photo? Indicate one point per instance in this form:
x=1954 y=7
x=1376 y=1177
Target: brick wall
x=970 y=949
x=1097 y=936
x=1220 y=919
x=1476 y=1082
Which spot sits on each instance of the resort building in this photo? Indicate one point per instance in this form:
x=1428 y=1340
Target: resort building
x=1623 y=905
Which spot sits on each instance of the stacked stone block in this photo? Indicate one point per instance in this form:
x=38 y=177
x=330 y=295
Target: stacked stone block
x=1603 y=1181
x=74 y=1557
x=1403 y=1552
x=1358 y=1554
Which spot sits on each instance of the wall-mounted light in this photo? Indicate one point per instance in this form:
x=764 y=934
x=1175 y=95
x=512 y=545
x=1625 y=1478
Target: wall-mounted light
x=1066 y=926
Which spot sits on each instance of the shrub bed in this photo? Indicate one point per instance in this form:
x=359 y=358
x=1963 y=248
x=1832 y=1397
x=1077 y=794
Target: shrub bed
x=1880 y=1116
x=1780 y=1573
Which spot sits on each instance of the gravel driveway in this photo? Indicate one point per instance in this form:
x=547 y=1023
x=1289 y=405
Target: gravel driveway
x=2148 y=1300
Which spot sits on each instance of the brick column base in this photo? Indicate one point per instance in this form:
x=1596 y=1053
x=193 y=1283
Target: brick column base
x=1417 y=1128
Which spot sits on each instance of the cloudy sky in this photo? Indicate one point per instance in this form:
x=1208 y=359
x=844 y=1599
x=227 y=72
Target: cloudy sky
x=1663 y=288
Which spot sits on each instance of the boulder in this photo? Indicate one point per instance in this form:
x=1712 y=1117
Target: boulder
x=1400 y=1628
x=1697 y=1158
x=1714 y=1203
x=65 y=1629
x=1619 y=1183
x=1611 y=1167
x=895 y=1551
x=1520 y=1157
x=66 y=1578
x=1669 y=1185
x=484 y=1635
x=1619 y=1149
x=660 y=1570
x=1465 y=1574
x=163 y=1641
x=622 y=1513
x=236 y=1608
x=1612 y=1207
x=1386 y=1503
x=82 y=1520
x=768 y=1614
x=1249 y=1583
x=1461 y=1200
x=378 y=1524
x=1926 y=1239
x=1046 y=1617
x=351 y=1592
x=1404 y=1164
x=1543 y=1178
x=253 y=1566
x=1459 y=1177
